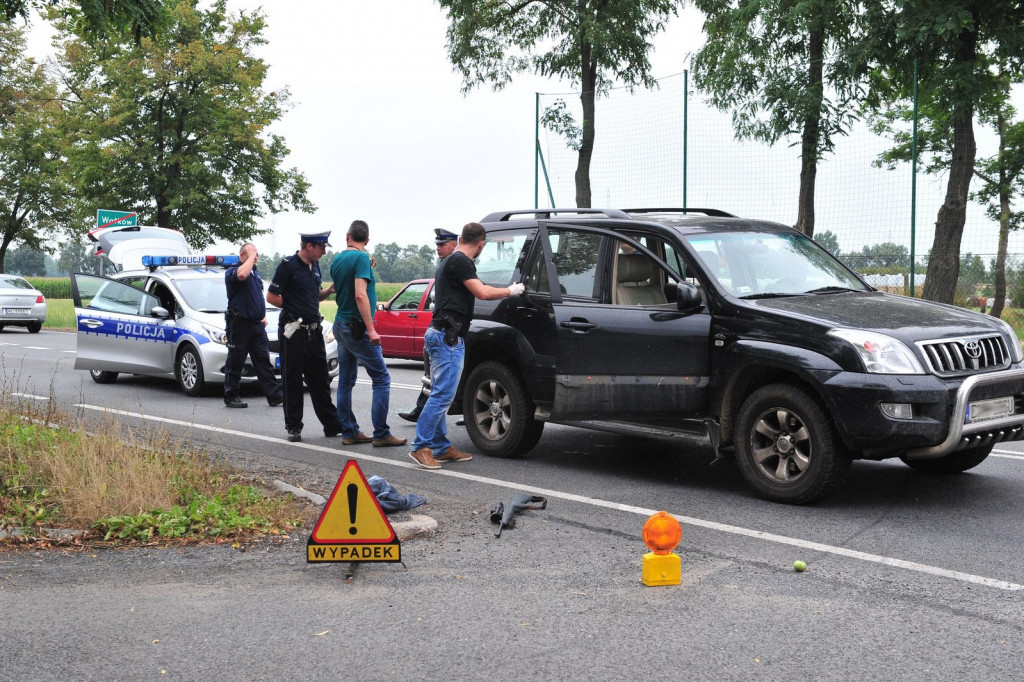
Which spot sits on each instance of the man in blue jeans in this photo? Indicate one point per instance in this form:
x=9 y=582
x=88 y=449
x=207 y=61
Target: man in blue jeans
x=456 y=288
x=358 y=340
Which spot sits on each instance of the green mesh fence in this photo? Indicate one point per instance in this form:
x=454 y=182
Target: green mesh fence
x=638 y=161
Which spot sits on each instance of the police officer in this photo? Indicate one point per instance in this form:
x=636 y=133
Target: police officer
x=445 y=242
x=246 y=329
x=296 y=290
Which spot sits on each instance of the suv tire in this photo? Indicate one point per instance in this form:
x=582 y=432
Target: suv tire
x=498 y=412
x=188 y=370
x=102 y=377
x=786 y=447
x=953 y=463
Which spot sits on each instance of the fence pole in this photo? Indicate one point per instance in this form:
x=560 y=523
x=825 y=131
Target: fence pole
x=536 y=151
x=686 y=97
x=913 y=190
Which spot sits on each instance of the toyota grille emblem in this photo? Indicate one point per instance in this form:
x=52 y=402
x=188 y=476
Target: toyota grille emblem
x=973 y=349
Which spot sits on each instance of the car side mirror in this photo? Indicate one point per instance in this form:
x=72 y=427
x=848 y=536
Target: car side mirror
x=160 y=312
x=688 y=299
x=382 y=306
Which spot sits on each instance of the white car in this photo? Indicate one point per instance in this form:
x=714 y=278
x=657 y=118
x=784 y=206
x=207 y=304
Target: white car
x=163 y=319
x=21 y=304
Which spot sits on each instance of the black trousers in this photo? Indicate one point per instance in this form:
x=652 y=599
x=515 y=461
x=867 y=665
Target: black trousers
x=421 y=399
x=249 y=339
x=304 y=355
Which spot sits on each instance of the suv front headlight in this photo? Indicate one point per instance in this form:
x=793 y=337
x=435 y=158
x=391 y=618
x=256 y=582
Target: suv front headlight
x=880 y=354
x=216 y=335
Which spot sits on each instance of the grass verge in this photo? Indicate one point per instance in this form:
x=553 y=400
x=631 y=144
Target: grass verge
x=123 y=488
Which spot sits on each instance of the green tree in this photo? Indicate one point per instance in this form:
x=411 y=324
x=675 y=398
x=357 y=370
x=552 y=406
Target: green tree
x=963 y=50
x=784 y=69
x=591 y=43
x=887 y=257
x=74 y=256
x=176 y=127
x=1002 y=179
x=828 y=241
x=33 y=198
x=25 y=261
x=96 y=16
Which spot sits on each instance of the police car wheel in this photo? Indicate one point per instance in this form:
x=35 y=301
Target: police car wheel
x=189 y=371
x=101 y=377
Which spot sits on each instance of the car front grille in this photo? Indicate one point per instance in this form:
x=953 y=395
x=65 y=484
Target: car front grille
x=967 y=355
x=275 y=347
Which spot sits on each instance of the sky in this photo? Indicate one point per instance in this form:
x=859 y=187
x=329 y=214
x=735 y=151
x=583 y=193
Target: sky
x=381 y=130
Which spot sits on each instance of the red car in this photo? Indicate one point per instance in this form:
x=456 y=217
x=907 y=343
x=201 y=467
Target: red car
x=402 y=321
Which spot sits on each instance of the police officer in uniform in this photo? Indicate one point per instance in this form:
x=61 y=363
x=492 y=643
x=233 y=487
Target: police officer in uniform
x=246 y=330
x=296 y=290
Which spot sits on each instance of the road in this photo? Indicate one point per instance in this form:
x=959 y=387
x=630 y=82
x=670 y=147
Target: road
x=909 y=575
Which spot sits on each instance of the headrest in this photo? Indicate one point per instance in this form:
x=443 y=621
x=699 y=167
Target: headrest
x=634 y=267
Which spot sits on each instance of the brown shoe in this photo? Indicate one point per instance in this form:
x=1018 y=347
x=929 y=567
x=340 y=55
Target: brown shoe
x=453 y=455
x=357 y=439
x=424 y=458
x=389 y=441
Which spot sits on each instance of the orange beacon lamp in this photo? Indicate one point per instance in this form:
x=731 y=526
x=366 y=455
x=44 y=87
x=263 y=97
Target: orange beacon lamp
x=660 y=566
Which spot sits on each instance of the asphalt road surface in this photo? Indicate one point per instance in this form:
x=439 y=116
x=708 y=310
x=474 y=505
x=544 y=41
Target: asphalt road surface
x=910 y=576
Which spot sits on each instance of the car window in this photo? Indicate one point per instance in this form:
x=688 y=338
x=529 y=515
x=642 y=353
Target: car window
x=16 y=282
x=409 y=298
x=116 y=297
x=502 y=255
x=576 y=258
x=753 y=263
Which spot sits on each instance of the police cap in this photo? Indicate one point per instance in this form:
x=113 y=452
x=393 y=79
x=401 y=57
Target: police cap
x=317 y=238
x=443 y=236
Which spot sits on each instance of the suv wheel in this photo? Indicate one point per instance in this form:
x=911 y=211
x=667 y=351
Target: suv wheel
x=189 y=371
x=101 y=377
x=499 y=414
x=786 y=447
x=953 y=463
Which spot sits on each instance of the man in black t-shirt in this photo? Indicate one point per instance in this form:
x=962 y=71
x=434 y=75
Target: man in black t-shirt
x=456 y=288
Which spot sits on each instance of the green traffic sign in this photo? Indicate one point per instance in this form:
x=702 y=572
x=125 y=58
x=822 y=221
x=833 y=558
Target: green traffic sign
x=105 y=218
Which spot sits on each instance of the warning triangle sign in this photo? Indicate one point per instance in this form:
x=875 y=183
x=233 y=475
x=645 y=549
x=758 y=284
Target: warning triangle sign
x=353 y=514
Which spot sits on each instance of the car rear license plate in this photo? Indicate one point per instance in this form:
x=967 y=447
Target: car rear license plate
x=277 y=362
x=16 y=311
x=982 y=410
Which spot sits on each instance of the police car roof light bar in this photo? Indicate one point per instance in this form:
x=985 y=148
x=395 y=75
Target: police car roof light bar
x=153 y=262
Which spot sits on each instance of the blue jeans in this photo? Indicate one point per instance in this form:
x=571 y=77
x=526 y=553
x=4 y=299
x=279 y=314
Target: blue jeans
x=445 y=369
x=352 y=353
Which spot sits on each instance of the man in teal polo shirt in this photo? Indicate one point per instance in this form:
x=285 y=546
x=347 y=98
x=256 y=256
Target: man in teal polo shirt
x=358 y=341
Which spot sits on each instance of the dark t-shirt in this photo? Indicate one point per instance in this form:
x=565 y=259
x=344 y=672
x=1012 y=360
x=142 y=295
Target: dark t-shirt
x=452 y=300
x=245 y=297
x=299 y=286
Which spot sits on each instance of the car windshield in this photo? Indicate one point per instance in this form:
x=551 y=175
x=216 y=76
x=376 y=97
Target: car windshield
x=14 y=283
x=765 y=264
x=204 y=295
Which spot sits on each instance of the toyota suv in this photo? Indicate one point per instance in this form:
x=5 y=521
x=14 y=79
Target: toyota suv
x=729 y=336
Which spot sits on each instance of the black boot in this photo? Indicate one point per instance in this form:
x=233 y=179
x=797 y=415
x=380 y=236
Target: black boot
x=411 y=415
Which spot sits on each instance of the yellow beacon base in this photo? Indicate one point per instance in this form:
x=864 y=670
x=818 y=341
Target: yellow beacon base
x=661 y=569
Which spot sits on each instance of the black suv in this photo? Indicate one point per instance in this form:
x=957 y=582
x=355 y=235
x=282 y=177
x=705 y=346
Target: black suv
x=728 y=335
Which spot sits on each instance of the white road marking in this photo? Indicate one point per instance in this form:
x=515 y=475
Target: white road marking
x=29 y=395
x=37 y=348
x=367 y=382
x=1007 y=454
x=557 y=494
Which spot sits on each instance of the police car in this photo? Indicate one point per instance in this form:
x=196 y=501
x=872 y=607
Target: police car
x=163 y=314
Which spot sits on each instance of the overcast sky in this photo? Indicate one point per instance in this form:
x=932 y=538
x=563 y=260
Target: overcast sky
x=382 y=132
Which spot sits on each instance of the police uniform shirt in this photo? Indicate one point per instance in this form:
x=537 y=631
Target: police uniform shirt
x=299 y=285
x=452 y=300
x=245 y=297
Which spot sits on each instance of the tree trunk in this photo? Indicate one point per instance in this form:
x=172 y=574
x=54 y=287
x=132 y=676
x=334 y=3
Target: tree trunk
x=811 y=132
x=1004 y=223
x=588 y=97
x=944 y=260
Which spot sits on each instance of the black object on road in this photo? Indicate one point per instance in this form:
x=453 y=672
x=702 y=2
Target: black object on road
x=503 y=516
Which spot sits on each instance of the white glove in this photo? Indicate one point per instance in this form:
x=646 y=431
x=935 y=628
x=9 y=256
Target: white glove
x=291 y=327
x=516 y=289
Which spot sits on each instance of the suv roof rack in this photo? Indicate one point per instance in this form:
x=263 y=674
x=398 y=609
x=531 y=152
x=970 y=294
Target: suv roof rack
x=543 y=213
x=711 y=212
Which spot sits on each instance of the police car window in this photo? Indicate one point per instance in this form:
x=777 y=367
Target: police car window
x=501 y=256
x=410 y=297
x=205 y=295
x=115 y=297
